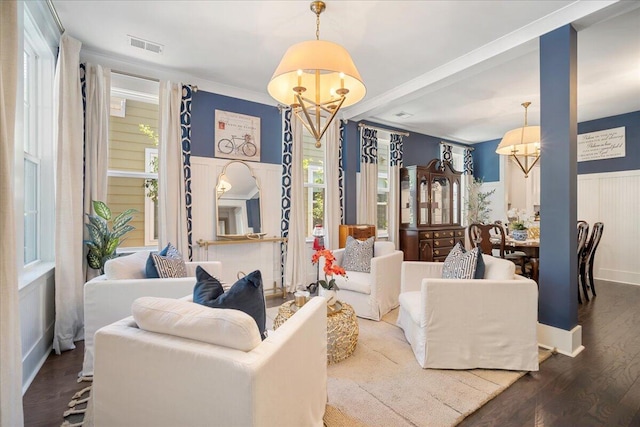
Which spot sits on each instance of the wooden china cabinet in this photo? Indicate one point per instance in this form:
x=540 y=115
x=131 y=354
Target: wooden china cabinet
x=430 y=211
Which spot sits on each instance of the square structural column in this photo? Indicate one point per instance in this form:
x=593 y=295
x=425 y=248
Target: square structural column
x=558 y=303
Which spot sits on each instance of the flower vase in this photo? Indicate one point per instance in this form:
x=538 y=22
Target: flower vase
x=330 y=294
x=519 y=235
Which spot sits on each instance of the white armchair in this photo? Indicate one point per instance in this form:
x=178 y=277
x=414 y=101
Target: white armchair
x=155 y=379
x=108 y=300
x=373 y=294
x=464 y=324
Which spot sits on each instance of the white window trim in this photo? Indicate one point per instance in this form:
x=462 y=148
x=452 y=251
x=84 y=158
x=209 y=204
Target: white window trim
x=384 y=233
x=310 y=185
x=149 y=206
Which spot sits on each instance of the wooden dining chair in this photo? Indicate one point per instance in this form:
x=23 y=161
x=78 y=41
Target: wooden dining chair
x=589 y=254
x=487 y=237
x=583 y=232
x=517 y=257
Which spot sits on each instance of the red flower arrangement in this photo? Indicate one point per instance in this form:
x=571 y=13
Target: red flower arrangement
x=330 y=269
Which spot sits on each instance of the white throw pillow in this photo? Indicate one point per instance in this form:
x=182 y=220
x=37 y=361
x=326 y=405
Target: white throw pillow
x=224 y=327
x=498 y=268
x=127 y=267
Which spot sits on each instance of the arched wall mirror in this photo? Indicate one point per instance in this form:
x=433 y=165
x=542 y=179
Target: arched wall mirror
x=238 y=204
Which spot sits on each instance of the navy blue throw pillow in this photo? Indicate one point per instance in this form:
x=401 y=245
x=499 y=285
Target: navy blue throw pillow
x=245 y=295
x=150 y=270
x=207 y=288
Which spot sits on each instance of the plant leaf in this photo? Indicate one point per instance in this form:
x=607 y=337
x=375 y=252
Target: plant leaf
x=123 y=215
x=94 y=261
x=100 y=223
x=102 y=209
x=121 y=232
x=94 y=233
x=117 y=224
x=111 y=246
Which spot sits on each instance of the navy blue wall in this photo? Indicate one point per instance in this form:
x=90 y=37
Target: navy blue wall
x=419 y=149
x=487 y=164
x=202 y=116
x=631 y=160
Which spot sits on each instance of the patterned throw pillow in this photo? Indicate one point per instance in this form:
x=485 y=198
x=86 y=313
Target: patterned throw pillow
x=169 y=267
x=358 y=254
x=461 y=264
x=169 y=251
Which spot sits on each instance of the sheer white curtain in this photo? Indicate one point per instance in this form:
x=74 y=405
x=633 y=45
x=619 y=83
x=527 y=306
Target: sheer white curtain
x=297 y=260
x=368 y=178
x=69 y=249
x=172 y=211
x=332 y=186
x=10 y=344
x=96 y=148
x=395 y=163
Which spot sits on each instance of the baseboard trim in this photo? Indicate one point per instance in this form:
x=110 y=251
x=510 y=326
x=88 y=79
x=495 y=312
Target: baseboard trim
x=562 y=341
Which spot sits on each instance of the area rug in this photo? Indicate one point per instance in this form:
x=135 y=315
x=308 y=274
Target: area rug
x=381 y=384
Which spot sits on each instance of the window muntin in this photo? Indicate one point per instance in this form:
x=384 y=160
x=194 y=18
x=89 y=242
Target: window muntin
x=313 y=167
x=383 y=187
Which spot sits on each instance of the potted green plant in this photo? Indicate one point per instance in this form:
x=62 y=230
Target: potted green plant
x=104 y=240
x=477 y=202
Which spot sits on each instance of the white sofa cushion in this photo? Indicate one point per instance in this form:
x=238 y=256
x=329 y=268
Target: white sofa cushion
x=412 y=303
x=355 y=281
x=225 y=327
x=498 y=268
x=127 y=267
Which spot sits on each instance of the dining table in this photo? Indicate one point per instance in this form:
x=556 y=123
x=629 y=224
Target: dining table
x=530 y=247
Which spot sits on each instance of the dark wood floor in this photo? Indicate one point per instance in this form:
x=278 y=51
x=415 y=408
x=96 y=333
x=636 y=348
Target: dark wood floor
x=599 y=387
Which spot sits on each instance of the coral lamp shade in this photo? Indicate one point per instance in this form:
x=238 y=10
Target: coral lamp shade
x=303 y=61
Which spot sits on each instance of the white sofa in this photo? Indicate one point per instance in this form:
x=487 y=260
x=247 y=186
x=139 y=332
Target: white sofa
x=373 y=294
x=464 y=324
x=107 y=300
x=153 y=379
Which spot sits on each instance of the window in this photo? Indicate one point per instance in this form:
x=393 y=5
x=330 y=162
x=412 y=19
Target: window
x=36 y=188
x=313 y=165
x=133 y=157
x=383 y=187
x=31 y=158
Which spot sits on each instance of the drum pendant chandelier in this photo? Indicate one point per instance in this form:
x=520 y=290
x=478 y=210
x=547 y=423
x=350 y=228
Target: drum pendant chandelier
x=522 y=144
x=316 y=78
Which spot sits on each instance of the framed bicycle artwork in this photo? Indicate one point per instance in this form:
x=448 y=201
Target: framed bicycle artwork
x=237 y=136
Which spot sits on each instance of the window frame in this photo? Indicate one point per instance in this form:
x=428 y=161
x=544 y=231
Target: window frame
x=384 y=174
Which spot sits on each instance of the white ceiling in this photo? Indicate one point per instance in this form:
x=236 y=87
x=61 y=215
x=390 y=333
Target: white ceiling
x=461 y=68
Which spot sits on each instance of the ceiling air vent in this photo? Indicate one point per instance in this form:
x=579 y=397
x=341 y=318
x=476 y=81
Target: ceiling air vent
x=145 y=44
x=403 y=115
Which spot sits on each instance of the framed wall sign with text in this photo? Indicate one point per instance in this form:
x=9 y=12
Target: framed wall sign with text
x=237 y=136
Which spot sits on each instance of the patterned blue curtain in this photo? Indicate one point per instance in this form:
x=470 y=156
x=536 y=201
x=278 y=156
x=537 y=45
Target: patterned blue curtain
x=468 y=162
x=395 y=150
x=185 y=126
x=369 y=147
x=287 y=157
x=446 y=155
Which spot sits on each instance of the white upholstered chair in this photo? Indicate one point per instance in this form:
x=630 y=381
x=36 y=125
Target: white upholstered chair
x=372 y=294
x=464 y=324
x=108 y=298
x=179 y=376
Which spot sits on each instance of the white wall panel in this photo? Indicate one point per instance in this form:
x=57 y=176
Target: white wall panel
x=245 y=257
x=614 y=199
x=36 y=324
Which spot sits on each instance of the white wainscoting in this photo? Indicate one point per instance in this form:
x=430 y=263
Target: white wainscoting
x=238 y=257
x=614 y=199
x=37 y=316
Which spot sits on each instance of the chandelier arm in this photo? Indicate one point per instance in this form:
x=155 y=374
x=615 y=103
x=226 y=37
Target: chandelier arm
x=306 y=113
x=522 y=167
x=333 y=114
x=306 y=125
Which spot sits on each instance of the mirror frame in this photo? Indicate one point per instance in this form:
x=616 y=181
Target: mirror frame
x=257 y=181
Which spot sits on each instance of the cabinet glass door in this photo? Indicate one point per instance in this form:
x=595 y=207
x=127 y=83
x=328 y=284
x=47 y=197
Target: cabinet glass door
x=440 y=200
x=423 y=201
x=406 y=200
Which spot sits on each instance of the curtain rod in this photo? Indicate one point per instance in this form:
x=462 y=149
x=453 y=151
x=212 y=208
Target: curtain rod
x=466 y=147
x=152 y=79
x=56 y=18
x=397 y=132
